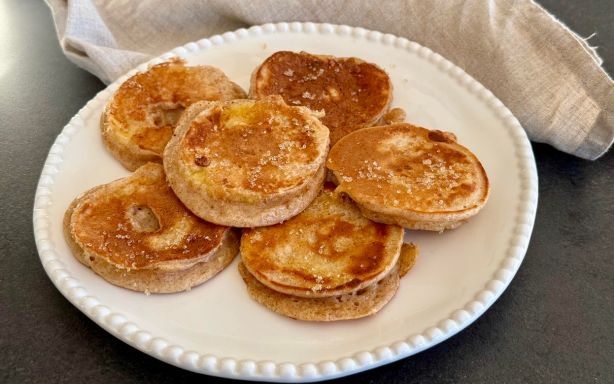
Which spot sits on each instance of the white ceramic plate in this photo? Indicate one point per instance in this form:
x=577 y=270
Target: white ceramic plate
x=216 y=328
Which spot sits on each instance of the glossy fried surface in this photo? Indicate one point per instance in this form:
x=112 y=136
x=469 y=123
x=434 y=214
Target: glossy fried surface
x=146 y=107
x=138 y=222
x=328 y=249
x=256 y=147
x=352 y=93
x=409 y=168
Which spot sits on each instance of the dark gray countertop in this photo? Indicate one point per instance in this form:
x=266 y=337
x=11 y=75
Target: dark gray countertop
x=553 y=324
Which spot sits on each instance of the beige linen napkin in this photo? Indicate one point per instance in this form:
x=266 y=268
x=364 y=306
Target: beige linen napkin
x=547 y=75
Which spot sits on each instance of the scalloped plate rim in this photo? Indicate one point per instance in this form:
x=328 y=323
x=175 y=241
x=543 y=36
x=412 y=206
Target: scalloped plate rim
x=287 y=371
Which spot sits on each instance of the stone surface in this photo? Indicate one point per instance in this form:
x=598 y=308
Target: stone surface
x=553 y=324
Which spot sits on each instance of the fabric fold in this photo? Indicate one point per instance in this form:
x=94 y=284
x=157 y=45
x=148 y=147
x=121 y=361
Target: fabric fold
x=549 y=77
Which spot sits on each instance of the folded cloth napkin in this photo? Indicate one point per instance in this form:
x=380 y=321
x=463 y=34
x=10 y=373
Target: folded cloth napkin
x=549 y=77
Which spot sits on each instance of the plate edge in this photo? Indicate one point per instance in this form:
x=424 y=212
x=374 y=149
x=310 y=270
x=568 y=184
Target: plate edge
x=129 y=332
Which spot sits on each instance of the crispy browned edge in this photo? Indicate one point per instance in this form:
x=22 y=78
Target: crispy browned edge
x=130 y=155
x=154 y=280
x=375 y=118
x=429 y=221
x=272 y=209
x=361 y=303
x=395 y=236
x=355 y=305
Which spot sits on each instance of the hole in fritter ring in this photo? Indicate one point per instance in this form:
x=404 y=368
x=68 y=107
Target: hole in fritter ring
x=165 y=113
x=143 y=219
